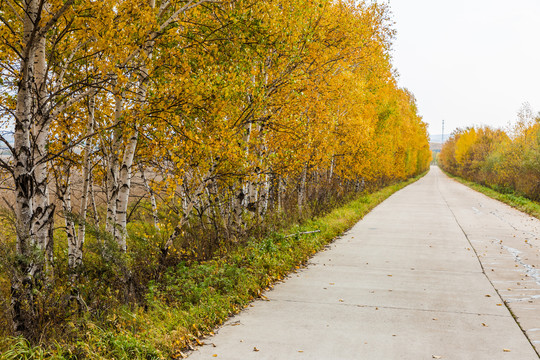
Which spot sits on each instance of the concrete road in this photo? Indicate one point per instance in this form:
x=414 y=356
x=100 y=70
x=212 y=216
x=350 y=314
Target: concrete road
x=431 y=273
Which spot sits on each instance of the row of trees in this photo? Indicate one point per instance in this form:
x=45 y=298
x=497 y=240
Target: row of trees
x=505 y=160
x=224 y=111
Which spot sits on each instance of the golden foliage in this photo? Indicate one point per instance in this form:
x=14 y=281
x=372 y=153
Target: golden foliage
x=492 y=157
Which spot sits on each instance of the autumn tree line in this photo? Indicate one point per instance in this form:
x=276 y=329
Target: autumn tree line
x=506 y=160
x=146 y=131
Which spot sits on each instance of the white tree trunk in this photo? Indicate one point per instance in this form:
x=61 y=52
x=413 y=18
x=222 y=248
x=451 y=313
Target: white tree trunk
x=124 y=187
x=279 y=194
x=93 y=200
x=331 y=172
x=187 y=212
x=114 y=166
x=74 y=252
x=22 y=176
x=78 y=245
x=42 y=219
x=302 y=189
x=153 y=202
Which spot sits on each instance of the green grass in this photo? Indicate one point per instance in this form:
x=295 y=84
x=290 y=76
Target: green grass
x=516 y=201
x=191 y=299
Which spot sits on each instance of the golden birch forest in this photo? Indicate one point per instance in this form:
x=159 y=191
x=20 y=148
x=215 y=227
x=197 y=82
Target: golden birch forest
x=145 y=141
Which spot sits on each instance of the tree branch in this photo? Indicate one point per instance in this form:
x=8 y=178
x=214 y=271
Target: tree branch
x=54 y=19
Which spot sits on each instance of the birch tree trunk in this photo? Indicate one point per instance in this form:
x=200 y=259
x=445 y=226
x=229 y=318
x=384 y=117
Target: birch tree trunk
x=74 y=255
x=187 y=211
x=119 y=199
x=302 y=189
x=153 y=202
x=279 y=194
x=114 y=166
x=42 y=218
x=21 y=296
x=124 y=187
x=33 y=211
x=93 y=200
x=76 y=249
x=331 y=171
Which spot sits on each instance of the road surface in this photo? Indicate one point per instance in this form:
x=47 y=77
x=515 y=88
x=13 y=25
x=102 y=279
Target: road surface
x=434 y=272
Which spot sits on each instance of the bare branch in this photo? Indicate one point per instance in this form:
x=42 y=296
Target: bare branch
x=68 y=61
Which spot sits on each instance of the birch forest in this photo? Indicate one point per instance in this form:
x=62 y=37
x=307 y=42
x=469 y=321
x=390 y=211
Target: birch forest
x=141 y=136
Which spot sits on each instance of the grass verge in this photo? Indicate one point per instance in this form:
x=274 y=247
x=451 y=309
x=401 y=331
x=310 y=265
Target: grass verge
x=191 y=299
x=519 y=202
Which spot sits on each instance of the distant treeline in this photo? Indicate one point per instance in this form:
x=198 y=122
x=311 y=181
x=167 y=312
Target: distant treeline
x=508 y=161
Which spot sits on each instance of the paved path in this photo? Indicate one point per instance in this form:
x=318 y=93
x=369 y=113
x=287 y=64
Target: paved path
x=405 y=283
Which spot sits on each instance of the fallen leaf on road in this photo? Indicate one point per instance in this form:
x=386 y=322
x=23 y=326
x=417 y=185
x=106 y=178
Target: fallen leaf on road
x=255 y=349
x=199 y=342
x=487 y=295
x=300 y=350
x=436 y=356
x=215 y=355
x=506 y=350
x=484 y=324
x=499 y=304
x=340 y=300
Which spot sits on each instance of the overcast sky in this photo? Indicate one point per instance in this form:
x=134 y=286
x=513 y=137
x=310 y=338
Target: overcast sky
x=469 y=62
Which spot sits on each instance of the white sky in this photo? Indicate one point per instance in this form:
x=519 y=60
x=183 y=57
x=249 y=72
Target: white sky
x=469 y=62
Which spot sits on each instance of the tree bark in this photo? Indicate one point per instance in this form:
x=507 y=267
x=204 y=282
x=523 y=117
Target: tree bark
x=124 y=187
x=153 y=202
x=302 y=189
x=114 y=166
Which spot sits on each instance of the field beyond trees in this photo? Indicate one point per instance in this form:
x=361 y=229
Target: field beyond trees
x=156 y=151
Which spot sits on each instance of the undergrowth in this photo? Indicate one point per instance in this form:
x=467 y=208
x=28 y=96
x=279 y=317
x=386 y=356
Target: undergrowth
x=190 y=298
